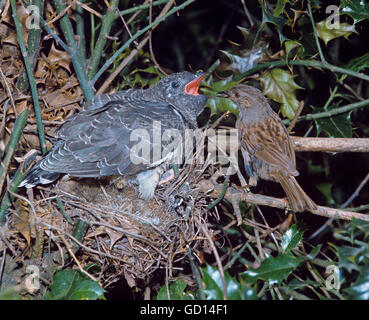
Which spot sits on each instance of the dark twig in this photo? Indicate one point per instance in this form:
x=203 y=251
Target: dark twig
x=169 y=4
x=356 y=192
x=297 y=114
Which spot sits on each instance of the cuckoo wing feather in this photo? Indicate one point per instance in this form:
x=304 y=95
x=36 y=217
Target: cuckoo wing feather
x=96 y=142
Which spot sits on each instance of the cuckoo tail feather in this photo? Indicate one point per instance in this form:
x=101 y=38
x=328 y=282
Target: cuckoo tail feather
x=38 y=176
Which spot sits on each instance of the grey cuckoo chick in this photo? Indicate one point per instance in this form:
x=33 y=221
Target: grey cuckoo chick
x=103 y=139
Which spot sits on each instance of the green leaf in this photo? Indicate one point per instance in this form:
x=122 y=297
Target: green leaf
x=361 y=225
x=296 y=283
x=348 y=257
x=357 y=9
x=326 y=189
x=313 y=253
x=291 y=238
x=223 y=85
x=214 y=286
x=221 y=105
x=290 y=45
x=333 y=31
x=359 y=290
x=278 y=84
x=176 y=291
x=360 y=63
x=279 y=22
x=279 y=7
x=337 y=126
x=244 y=61
x=71 y=285
x=273 y=269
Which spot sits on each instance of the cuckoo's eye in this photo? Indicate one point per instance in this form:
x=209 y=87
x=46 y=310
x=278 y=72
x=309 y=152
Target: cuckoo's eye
x=175 y=84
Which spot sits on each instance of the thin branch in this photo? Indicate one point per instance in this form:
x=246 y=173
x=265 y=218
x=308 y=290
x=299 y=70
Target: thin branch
x=139 y=33
x=259 y=199
x=31 y=79
x=330 y=144
x=80 y=28
x=305 y=63
x=33 y=43
x=310 y=14
x=216 y=254
x=169 y=4
x=336 y=111
x=122 y=65
x=12 y=145
x=78 y=64
x=9 y=92
x=247 y=13
x=356 y=193
x=107 y=22
x=293 y=121
x=143 y=6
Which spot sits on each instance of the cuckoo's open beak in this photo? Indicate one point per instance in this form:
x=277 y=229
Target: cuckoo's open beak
x=193 y=86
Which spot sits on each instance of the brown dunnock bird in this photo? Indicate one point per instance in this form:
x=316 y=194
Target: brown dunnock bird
x=266 y=146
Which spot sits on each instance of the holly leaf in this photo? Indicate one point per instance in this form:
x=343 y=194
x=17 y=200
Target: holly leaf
x=348 y=257
x=326 y=189
x=337 y=126
x=273 y=269
x=358 y=10
x=291 y=238
x=360 y=63
x=279 y=8
x=359 y=290
x=176 y=291
x=72 y=285
x=221 y=105
x=278 y=21
x=279 y=86
x=328 y=32
x=214 y=286
x=223 y=85
x=294 y=47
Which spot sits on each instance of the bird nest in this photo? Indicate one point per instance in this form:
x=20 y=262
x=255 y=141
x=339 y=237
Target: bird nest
x=100 y=223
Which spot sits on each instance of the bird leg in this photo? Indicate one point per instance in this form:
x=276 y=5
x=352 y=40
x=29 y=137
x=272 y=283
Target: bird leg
x=167 y=177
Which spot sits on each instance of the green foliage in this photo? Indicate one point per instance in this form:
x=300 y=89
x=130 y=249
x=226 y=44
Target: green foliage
x=214 y=287
x=291 y=238
x=279 y=85
x=353 y=259
x=73 y=285
x=176 y=292
x=273 y=270
x=339 y=126
x=328 y=32
x=278 y=21
x=358 y=10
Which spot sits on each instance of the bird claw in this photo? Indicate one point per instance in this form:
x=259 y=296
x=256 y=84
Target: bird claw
x=245 y=188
